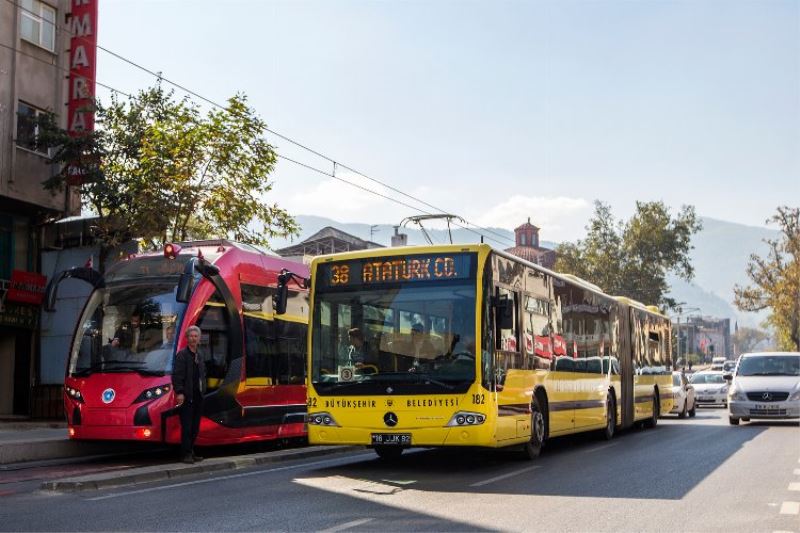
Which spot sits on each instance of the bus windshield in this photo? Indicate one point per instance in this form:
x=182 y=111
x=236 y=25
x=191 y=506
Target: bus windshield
x=128 y=328
x=405 y=337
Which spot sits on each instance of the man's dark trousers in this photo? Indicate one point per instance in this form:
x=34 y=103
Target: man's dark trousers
x=190 y=413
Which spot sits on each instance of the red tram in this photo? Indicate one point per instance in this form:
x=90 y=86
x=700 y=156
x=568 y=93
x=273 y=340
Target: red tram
x=117 y=384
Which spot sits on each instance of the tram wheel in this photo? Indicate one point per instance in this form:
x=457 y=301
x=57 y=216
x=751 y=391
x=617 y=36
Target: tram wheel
x=389 y=453
x=532 y=448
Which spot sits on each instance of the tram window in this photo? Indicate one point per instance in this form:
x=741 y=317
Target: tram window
x=256 y=298
x=213 y=322
x=258 y=334
x=289 y=352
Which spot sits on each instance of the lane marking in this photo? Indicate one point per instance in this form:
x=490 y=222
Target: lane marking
x=794 y=486
x=603 y=447
x=215 y=479
x=347 y=525
x=790 y=508
x=504 y=476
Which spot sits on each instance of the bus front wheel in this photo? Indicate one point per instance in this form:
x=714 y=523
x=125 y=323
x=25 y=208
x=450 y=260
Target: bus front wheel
x=389 y=453
x=532 y=448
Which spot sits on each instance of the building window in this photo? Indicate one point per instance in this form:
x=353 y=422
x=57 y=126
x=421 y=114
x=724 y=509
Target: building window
x=28 y=127
x=37 y=24
x=522 y=240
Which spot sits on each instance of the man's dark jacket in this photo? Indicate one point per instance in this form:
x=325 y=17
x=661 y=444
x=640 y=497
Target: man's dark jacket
x=184 y=380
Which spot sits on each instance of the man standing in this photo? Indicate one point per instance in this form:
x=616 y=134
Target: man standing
x=189 y=384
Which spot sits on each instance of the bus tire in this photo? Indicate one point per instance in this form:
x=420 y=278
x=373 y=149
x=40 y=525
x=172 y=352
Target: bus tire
x=653 y=420
x=389 y=453
x=611 y=417
x=532 y=448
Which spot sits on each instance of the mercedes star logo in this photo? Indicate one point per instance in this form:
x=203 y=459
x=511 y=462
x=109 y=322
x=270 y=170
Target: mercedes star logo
x=766 y=397
x=390 y=419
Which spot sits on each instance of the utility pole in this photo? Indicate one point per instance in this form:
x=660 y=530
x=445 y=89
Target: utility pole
x=372 y=230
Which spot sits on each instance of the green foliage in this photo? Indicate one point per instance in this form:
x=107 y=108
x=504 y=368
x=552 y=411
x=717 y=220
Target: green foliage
x=776 y=280
x=160 y=170
x=633 y=258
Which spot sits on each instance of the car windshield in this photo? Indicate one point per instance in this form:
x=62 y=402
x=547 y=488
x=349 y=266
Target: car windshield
x=699 y=379
x=769 y=365
x=127 y=328
x=420 y=338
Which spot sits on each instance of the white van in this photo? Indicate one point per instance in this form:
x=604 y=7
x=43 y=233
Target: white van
x=717 y=363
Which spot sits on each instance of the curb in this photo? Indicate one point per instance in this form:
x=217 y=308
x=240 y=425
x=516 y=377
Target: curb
x=149 y=474
x=44 y=449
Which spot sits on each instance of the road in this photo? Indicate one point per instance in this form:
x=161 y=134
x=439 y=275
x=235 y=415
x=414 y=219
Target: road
x=695 y=474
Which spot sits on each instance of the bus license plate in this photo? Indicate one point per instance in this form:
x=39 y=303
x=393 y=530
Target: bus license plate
x=391 y=439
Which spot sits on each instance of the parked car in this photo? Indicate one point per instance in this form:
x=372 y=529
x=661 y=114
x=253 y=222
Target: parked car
x=710 y=388
x=682 y=396
x=728 y=366
x=766 y=386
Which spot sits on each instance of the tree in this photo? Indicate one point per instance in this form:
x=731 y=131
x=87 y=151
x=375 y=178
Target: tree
x=776 y=280
x=159 y=170
x=633 y=258
x=747 y=339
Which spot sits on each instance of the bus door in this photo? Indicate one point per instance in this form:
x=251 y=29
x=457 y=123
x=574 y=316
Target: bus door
x=626 y=347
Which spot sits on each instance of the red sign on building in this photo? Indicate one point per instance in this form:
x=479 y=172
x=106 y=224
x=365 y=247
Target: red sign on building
x=82 y=67
x=26 y=287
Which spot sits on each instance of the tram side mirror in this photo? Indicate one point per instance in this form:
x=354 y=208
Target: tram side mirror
x=504 y=313
x=185 y=287
x=282 y=295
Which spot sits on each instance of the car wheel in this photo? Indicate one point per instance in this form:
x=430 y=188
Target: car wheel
x=693 y=410
x=733 y=421
x=682 y=414
x=532 y=448
x=389 y=453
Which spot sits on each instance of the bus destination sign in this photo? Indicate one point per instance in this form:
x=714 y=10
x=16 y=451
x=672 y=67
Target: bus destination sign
x=397 y=269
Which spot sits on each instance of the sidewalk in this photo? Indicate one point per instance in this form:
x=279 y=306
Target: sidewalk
x=162 y=472
x=22 y=441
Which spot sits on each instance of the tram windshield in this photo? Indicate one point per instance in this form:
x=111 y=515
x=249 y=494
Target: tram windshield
x=404 y=335
x=128 y=328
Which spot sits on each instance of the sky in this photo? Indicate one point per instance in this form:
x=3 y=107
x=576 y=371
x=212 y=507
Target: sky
x=495 y=110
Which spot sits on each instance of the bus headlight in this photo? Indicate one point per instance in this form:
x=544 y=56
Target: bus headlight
x=75 y=394
x=465 y=418
x=321 y=419
x=153 y=393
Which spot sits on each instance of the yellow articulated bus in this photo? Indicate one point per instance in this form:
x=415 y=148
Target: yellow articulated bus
x=464 y=345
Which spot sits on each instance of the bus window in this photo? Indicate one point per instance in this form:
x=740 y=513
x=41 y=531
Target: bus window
x=508 y=339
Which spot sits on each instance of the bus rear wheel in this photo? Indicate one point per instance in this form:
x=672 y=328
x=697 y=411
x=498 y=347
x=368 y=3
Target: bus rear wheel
x=389 y=453
x=532 y=448
x=653 y=420
x=611 y=417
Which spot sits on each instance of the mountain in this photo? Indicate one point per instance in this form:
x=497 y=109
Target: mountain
x=720 y=255
x=382 y=233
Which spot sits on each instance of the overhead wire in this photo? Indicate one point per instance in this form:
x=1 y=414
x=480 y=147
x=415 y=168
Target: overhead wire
x=335 y=163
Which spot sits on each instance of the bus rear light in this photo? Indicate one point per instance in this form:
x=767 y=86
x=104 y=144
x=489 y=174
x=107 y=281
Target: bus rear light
x=321 y=419
x=464 y=418
x=171 y=250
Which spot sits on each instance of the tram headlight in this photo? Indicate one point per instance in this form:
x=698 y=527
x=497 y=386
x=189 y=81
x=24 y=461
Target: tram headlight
x=75 y=394
x=321 y=419
x=465 y=418
x=153 y=393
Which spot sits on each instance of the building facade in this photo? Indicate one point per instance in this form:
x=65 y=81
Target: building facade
x=706 y=336
x=328 y=240
x=35 y=61
x=527 y=246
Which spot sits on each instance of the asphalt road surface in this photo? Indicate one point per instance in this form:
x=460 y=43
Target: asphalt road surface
x=696 y=474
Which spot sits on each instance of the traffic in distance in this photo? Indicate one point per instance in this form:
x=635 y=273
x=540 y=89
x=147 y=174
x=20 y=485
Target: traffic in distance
x=422 y=346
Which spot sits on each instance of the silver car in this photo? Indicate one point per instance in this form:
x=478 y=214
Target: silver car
x=710 y=388
x=766 y=386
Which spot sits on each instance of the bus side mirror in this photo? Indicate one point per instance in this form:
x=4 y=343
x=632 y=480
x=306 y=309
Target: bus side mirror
x=185 y=287
x=504 y=313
